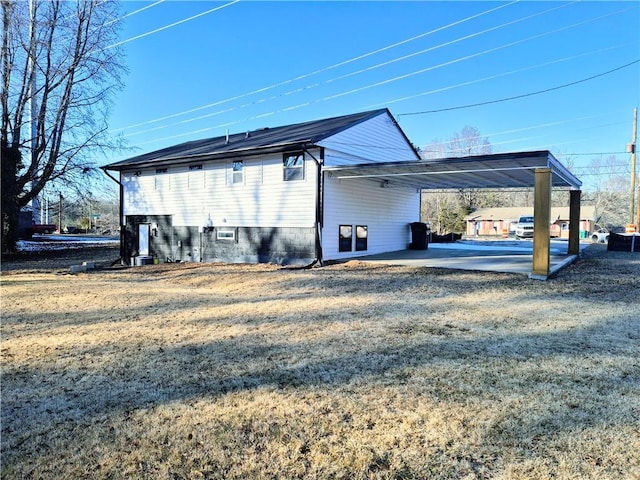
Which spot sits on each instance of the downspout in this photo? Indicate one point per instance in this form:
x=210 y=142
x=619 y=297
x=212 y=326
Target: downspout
x=319 y=193
x=121 y=210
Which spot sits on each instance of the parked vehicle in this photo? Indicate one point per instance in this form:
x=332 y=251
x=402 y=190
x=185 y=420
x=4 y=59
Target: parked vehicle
x=524 y=227
x=600 y=236
x=39 y=228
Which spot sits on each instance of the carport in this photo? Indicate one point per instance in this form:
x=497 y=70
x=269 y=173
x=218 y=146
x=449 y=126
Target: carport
x=537 y=169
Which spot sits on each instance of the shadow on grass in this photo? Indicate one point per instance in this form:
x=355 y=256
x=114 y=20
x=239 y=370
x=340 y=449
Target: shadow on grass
x=190 y=372
x=593 y=365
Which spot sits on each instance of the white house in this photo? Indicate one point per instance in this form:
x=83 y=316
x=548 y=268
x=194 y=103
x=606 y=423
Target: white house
x=268 y=195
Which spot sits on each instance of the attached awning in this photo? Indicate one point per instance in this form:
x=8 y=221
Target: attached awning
x=503 y=170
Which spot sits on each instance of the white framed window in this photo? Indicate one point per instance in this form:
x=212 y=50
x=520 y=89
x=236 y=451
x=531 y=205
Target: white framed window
x=195 y=179
x=293 y=166
x=237 y=172
x=160 y=179
x=345 y=238
x=362 y=234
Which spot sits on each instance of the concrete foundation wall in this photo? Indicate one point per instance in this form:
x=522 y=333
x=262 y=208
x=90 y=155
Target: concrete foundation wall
x=169 y=243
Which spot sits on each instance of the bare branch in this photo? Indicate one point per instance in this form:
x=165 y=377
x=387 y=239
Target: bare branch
x=73 y=78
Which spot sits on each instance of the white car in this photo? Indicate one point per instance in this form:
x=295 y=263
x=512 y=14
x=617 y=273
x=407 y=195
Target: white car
x=524 y=227
x=600 y=236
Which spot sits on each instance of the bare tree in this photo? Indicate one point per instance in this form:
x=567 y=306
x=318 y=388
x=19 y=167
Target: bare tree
x=446 y=210
x=608 y=190
x=59 y=75
x=466 y=142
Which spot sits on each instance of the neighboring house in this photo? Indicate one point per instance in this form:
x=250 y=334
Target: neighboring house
x=263 y=196
x=498 y=221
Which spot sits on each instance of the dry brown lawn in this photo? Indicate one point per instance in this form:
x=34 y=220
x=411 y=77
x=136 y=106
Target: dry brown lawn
x=348 y=371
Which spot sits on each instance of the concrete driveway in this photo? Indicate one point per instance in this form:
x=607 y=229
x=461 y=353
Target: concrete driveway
x=509 y=256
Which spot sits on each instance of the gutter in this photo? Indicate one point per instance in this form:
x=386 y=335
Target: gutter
x=120 y=212
x=319 y=208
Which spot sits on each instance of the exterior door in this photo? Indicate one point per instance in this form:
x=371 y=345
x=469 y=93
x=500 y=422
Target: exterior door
x=143 y=239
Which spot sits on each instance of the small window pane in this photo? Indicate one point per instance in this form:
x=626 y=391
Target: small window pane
x=345 y=239
x=293 y=166
x=362 y=233
x=226 y=234
x=238 y=168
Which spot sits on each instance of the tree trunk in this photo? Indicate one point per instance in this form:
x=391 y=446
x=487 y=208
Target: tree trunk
x=11 y=162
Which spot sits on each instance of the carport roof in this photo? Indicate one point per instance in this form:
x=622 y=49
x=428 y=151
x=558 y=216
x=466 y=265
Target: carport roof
x=502 y=170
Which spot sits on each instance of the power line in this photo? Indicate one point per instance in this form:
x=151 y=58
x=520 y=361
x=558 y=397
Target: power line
x=467 y=57
x=294 y=107
x=595 y=154
x=322 y=70
x=172 y=25
x=135 y=12
x=446 y=44
x=318 y=84
x=345 y=93
x=598 y=174
x=427 y=147
x=558 y=87
x=228 y=124
x=491 y=77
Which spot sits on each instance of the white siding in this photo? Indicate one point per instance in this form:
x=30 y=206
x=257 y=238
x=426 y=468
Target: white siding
x=194 y=197
x=386 y=212
x=376 y=140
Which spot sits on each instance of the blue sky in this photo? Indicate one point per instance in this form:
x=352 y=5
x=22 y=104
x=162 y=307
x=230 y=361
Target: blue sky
x=253 y=64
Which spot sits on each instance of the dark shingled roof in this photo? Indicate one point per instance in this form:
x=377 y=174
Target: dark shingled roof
x=265 y=140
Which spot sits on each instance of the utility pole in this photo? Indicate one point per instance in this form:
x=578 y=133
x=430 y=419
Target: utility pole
x=632 y=148
x=638 y=219
x=60 y=213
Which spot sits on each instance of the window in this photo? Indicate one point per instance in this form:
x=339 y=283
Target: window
x=225 y=233
x=362 y=232
x=237 y=172
x=195 y=179
x=344 y=240
x=293 y=166
x=159 y=181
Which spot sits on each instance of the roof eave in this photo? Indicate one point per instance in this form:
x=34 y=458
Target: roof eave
x=180 y=160
x=562 y=172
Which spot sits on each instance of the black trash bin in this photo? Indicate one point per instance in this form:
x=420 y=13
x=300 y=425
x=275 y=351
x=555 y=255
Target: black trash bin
x=419 y=236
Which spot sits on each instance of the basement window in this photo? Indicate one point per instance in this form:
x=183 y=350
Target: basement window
x=226 y=234
x=362 y=233
x=345 y=238
x=293 y=166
